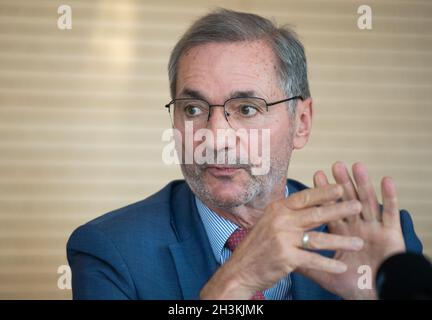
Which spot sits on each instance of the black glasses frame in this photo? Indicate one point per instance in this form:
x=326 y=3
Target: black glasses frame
x=168 y=105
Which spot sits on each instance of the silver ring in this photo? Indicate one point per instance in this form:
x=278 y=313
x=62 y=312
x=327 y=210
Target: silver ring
x=305 y=241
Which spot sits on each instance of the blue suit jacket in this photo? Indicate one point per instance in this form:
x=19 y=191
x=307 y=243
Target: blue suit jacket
x=158 y=249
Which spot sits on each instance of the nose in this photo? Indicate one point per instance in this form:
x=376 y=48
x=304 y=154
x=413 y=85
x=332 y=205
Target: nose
x=217 y=119
x=218 y=122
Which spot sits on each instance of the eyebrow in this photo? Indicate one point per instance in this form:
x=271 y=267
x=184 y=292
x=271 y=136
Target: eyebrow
x=195 y=94
x=243 y=94
x=192 y=94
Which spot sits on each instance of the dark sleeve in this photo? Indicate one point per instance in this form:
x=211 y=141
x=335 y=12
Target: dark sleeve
x=412 y=242
x=98 y=269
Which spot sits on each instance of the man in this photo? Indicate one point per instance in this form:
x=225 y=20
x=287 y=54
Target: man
x=224 y=232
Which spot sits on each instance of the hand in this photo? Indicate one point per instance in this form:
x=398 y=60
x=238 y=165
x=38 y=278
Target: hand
x=381 y=232
x=272 y=249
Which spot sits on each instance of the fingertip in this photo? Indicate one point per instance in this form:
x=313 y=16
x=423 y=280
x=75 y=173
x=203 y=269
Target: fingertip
x=358 y=164
x=340 y=267
x=390 y=214
x=360 y=172
x=338 y=167
x=321 y=178
x=387 y=180
x=340 y=172
x=319 y=172
x=337 y=190
x=388 y=186
x=339 y=163
x=358 y=243
x=316 y=178
x=356 y=206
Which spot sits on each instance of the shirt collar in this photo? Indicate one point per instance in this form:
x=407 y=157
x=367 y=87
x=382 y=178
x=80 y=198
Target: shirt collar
x=218 y=229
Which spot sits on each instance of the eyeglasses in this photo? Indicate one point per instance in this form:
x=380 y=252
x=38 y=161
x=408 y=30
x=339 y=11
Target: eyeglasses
x=249 y=112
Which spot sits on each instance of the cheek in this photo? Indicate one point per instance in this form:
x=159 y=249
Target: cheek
x=280 y=137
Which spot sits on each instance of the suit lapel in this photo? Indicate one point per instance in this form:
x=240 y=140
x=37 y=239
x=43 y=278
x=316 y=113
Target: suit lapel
x=192 y=254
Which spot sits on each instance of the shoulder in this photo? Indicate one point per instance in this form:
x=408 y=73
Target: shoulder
x=141 y=220
x=412 y=241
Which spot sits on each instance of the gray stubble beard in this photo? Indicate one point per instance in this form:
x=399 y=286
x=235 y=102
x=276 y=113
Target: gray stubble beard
x=258 y=189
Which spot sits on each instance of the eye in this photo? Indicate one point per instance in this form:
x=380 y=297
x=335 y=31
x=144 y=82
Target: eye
x=192 y=110
x=248 y=110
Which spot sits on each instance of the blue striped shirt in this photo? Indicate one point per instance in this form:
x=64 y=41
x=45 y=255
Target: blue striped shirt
x=218 y=230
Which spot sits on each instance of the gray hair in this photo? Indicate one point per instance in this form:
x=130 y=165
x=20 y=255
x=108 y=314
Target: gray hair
x=225 y=25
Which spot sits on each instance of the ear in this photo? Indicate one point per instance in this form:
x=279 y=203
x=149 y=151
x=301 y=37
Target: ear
x=302 y=123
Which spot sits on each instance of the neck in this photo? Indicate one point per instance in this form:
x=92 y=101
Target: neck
x=245 y=216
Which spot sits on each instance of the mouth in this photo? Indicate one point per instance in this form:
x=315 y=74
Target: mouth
x=222 y=171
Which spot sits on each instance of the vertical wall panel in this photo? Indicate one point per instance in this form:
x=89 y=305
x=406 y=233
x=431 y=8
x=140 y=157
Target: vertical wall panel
x=81 y=112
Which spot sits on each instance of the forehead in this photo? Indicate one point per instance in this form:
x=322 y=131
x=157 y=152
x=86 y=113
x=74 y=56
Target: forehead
x=217 y=69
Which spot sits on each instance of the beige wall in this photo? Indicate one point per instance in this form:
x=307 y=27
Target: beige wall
x=81 y=112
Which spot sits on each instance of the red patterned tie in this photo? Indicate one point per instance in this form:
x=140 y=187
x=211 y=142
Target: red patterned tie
x=233 y=241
